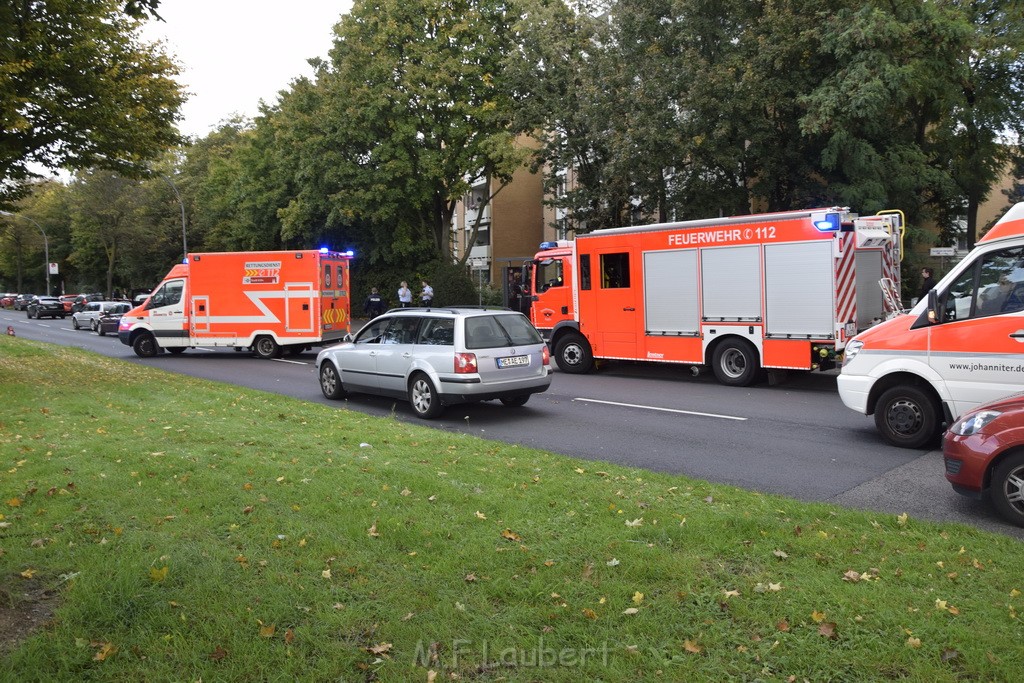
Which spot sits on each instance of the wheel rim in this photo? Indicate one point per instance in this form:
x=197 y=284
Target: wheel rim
x=904 y=417
x=733 y=363
x=1013 y=489
x=265 y=347
x=422 y=396
x=329 y=380
x=572 y=354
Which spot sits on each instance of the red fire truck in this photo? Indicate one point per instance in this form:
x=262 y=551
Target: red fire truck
x=741 y=294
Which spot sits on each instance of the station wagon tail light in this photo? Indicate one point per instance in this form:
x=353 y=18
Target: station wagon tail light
x=545 y=355
x=465 y=363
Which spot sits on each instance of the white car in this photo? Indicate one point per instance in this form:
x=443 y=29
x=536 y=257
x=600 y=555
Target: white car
x=435 y=357
x=89 y=316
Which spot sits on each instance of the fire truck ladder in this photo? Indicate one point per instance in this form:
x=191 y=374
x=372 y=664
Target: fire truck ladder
x=890 y=297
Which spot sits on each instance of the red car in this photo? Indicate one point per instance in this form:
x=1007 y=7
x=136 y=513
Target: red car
x=984 y=455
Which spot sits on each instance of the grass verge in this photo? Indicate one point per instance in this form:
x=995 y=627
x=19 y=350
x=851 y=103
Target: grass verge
x=192 y=530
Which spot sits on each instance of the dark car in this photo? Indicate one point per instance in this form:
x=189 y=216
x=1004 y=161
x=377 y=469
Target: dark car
x=46 y=307
x=22 y=301
x=984 y=455
x=108 y=321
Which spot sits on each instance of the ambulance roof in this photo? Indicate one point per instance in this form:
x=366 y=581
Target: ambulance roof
x=1010 y=225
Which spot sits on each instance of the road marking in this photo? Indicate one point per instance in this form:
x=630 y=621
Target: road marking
x=285 y=360
x=664 y=410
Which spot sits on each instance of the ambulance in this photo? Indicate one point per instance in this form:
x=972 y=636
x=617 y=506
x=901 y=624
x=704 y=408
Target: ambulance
x=742 y=294
x=960 y=346
x=268 y=302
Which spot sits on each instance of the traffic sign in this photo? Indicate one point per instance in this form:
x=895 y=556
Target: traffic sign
x=943 y=251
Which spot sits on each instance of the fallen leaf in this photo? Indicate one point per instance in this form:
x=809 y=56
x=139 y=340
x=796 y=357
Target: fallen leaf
x=106 y=650
x=28 y=573
x=692 y=647
x=780 y=554
x=510 y=535
x=218 y=654
x=469 y=578
x=913 y=642
x=828 y=629
x=267 y=631
x=372 y=531
x=630 y=610
x=902 y=519
x=613 y=562
x=289 y=636
x=480 y=515
x=783 y=626
x=638 y=597
x=14 y=502
x=817 y=616
x=851 y=576
x=157 y=575
x=949 y=654
x=731 y=593
x=589 y=613
x=636 y=522
x=326 y=573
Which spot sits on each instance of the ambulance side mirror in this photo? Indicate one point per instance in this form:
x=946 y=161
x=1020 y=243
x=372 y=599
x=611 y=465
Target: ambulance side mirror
x=933 y=307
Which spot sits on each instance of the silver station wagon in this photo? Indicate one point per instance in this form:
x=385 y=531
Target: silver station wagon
x=435 y=357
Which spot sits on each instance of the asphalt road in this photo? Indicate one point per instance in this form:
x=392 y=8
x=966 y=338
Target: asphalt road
x=792 y=437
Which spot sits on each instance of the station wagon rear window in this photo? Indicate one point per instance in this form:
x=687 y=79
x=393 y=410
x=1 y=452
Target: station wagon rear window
x=495 y=331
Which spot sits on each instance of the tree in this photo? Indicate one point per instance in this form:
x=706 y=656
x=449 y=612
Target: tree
x=78 y=88
x=409 y=112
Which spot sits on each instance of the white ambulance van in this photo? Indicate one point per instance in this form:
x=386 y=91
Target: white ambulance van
x=960 y=346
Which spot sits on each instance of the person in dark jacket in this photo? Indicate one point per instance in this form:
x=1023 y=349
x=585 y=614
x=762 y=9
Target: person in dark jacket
x=374 y=304
x=927 y=282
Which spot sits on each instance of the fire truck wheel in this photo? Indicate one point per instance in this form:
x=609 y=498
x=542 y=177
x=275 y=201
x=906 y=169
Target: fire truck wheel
x=423 y=397
x=573 y=355
x=735 y=363
x=907 y=417
x=1008 y=488
x=266 y=347
x=145 y=346
x=330 y=382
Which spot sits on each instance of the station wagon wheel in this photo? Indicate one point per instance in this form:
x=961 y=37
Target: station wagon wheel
x=735 y=363
x=266 y=347
x=93 y=325
x=1008 y=488
x=907 y=417
x=573 y=354
x=74 y=323
x=145 y=346
x=330 y=381
x=423 y=397
x=516 y=401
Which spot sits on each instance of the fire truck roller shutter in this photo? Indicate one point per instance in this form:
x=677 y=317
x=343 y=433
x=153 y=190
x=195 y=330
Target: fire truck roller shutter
x=869 y=294
x=798 y=289
x=670 y=279
x=731 y=283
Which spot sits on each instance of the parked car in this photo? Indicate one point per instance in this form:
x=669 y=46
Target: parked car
x=89 y=315
x=46 y=307
x=82 y=299
x=984 y=455
x=7 y=299
x=110 y=318
x=22 y=301
x=140 y=299
x=439 y=357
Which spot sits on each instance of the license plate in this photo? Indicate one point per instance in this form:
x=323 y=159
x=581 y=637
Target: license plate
x=513 y=361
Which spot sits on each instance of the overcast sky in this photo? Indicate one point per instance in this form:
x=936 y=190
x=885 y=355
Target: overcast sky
x=233 y=53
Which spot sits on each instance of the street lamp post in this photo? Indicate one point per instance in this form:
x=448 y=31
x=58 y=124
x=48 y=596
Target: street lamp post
x=46 y=246
x=184 y=239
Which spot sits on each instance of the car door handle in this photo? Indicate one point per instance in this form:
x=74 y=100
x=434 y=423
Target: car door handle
x=1019 y=334
x=628 y=308
x=406 y=355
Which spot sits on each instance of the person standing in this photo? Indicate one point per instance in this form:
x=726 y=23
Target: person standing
x=927 y=282
x=374 y=304
x=427 y=295
x=404 y=295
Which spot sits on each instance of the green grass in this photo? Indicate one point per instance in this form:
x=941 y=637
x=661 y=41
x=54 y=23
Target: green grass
x=195 y=530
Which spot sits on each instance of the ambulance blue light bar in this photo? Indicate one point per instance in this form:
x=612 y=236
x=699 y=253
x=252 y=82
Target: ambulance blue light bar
x=831 y=222
x=548 y=245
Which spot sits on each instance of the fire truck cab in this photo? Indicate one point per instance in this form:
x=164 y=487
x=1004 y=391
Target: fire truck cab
x=741 y=294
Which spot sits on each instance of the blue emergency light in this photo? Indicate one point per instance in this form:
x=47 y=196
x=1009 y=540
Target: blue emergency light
x=831 y=223
x=548 y=245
